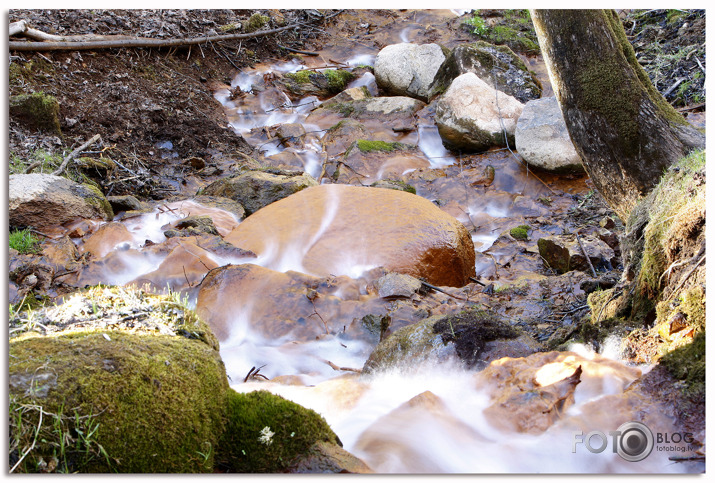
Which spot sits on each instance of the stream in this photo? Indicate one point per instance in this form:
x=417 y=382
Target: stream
x=427 y=416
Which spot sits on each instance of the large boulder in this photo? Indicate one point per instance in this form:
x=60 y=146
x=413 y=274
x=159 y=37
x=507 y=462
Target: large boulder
x=469 y=117
x=490 y=63
x=256 y=189
x=345 y=230
x=43 y=200
x=408 y=69
x=542 y=138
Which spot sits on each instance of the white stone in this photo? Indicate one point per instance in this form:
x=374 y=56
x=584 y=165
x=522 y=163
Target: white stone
x=408 y=69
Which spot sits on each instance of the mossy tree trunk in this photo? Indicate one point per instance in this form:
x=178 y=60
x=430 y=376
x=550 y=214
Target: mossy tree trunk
x=625 y=131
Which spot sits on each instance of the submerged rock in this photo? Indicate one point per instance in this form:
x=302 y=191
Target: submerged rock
x=43 y=200
x=346 y=230
x=469 y=118
x=542 y=138
x=408 y=69
x=396 y=111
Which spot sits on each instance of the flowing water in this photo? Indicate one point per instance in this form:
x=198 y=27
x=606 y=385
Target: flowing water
x=434 y=416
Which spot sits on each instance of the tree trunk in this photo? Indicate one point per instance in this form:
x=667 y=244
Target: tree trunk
x=625 y=131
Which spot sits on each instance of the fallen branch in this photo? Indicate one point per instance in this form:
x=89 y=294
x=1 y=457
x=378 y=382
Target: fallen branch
x=585 y=254
x=91 y=42
x=74 y=153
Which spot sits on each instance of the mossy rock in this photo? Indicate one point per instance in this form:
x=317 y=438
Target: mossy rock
x=37 y=111
x=116 y=402
x=322 y=84
x=266 y=433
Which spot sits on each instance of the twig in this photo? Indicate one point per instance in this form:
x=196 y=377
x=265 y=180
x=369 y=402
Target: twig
x=74 y=153
x=477 y=281
x=335 y=367
x=304 y=52
x=585 y=254
x=432 y=287
x=254 y=372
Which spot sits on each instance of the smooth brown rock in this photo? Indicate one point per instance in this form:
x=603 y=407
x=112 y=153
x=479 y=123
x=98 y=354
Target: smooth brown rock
x=343 y=230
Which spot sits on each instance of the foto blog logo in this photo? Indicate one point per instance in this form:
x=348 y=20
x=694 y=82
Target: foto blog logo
x=633 y=441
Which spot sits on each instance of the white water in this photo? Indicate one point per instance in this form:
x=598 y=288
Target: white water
x=452 y=436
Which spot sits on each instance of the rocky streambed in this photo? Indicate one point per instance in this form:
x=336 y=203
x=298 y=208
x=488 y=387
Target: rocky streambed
x=407 y=251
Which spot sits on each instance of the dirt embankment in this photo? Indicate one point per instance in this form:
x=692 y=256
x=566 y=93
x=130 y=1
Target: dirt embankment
x=137 y=98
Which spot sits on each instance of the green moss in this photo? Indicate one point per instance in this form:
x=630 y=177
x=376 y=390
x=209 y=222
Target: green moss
x=520 y=232
x=24 y=241
x=687 y=364
x=338 y=79
x=301 y=76
x=38 y=111
x=265 y=433
x=157 y=402
x=256 y=22
x=672 y=202
x=367 y=146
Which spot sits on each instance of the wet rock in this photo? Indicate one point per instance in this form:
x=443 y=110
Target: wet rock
x=222 y=203
x=563 y=253
x=463 y=335
x=394 y=185
x=352 y=94
x=125 y=203
x=324 y=457
x=43 y=200
x=543 y=140
x=367 y=160
x=340 y=137
x=397 y=285
x=469 y=119
x=36 y=111
x=291 y=134
x=408 y=69
x=200 y=223
x=276 y=305
x=488 y=61
x=398 y=111
x=534 y=411
x=256 y=189
x=105 y=239
x=408 y=346
x=314 y=231
x=530 y=394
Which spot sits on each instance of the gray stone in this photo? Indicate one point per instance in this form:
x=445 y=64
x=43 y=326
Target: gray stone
x=543 y=140
x=397 y=285
x=469 y=117
x=42 y=200
x=256 y=189
x=408 y=69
